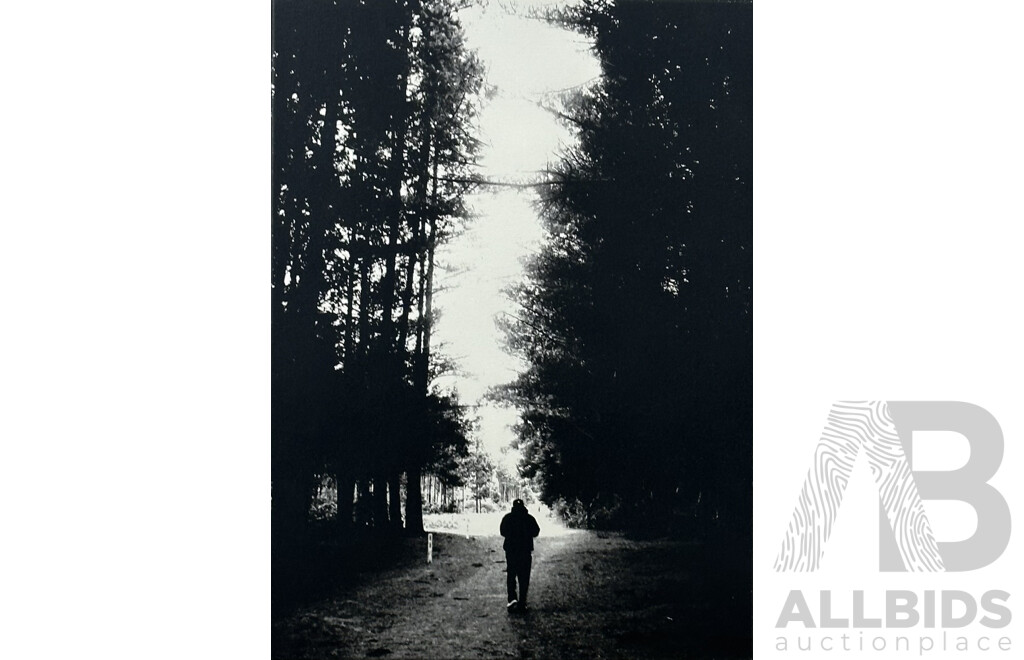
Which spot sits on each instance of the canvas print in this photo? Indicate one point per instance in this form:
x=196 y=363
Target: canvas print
x=511 y=328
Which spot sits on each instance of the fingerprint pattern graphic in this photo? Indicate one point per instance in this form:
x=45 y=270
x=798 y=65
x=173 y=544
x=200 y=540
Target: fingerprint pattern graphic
x=853 y=425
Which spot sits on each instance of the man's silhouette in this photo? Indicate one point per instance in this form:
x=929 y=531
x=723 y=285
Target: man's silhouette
x=519 y=529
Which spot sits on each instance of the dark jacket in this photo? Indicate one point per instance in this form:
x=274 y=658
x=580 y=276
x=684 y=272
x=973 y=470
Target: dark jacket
x=519 y=528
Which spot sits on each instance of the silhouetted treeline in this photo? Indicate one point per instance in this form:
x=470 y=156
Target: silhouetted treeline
x=636 y=316
x=371 y=150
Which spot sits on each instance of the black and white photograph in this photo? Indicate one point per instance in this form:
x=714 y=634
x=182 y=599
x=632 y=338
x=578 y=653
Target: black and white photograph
x=511 y=350
x=425 y=329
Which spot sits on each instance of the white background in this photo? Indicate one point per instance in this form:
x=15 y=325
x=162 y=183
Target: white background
x=134 y=481
x=887 y=230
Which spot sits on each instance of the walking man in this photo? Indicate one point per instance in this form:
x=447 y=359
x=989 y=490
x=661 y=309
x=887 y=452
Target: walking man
x=519 y=529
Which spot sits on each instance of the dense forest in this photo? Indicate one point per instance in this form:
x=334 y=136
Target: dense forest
x=372 y=155
x=634 y=319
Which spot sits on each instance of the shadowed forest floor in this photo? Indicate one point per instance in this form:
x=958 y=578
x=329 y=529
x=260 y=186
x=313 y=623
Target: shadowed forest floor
x=593 y=595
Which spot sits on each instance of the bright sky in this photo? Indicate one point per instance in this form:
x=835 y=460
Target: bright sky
x=525 y=59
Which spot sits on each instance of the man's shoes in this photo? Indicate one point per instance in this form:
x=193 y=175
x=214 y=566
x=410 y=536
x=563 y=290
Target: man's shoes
x=512 y=604
x=521 y=607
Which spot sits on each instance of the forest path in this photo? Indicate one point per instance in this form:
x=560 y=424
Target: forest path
x=591 y=596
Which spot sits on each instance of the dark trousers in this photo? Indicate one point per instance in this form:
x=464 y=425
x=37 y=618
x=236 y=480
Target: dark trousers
x=518 y=566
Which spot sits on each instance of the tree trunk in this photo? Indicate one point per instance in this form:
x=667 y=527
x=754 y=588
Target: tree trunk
x=364 y=306
x=413 y=501
x=395 y=499
x=346 y=485
x=417 y=255
x=380 y=502
x=364 y=509
x=350 y=289
x=414 y=473
x=428 y=306
x=396 y=176
x=313 y=277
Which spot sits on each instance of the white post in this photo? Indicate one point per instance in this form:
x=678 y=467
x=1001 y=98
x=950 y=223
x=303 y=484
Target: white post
x=430 y=548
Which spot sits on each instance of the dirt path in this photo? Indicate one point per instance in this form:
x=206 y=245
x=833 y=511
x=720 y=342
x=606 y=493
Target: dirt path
x=591 y=597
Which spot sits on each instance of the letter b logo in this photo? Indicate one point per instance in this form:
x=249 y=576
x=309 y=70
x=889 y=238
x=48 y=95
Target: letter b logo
x=884 y=431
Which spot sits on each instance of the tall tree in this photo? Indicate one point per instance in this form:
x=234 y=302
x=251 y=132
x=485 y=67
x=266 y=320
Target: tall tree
x=372 y=104
x=635 y=319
